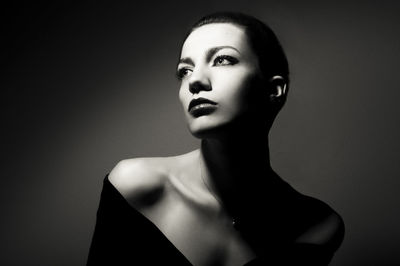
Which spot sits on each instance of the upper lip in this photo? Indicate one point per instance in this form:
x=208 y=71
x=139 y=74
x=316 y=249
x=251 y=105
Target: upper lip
x=198 y=101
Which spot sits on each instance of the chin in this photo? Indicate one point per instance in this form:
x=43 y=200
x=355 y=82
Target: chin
x=207 y=127
x=202 y=132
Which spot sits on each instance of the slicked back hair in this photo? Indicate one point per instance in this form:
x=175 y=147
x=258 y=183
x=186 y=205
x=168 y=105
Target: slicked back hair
x=266 y=46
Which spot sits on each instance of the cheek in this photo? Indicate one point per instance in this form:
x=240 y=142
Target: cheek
x=184 y=98
x=239 y=90
x=182 y=95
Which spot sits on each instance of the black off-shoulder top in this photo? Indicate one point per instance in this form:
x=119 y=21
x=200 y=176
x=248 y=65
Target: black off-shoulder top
x=124 y=236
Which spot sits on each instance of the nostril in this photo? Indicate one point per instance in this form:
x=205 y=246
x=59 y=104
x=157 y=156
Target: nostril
x=197 y=86
x=194 y=87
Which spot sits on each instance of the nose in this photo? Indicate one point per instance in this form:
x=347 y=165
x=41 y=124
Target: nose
x=199 y=81
x=197 y=86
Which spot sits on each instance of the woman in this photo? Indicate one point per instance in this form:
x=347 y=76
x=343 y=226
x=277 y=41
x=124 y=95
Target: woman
x=221 y=204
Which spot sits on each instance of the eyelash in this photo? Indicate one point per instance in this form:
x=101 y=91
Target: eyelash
x=229 y=58
x=180 y=73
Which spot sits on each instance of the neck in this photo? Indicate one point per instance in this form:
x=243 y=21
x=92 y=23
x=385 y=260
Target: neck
x=237 y=165
x=234 y=155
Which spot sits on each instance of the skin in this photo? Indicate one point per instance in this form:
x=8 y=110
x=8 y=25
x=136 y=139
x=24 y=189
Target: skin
x=223 y=66
x=239 y=124
x=196 y=195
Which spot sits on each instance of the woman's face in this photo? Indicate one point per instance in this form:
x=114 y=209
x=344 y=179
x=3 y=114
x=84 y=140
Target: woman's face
x=218 y=71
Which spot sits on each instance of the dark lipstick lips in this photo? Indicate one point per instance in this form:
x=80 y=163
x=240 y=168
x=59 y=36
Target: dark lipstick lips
x=198 y=101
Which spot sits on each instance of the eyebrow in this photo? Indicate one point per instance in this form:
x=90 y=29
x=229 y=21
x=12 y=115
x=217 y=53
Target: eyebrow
x=186 y=60
x=210 y=53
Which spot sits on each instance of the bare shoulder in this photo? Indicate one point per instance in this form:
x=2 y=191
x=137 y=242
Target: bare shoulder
x=328 y=231
x=140 y=180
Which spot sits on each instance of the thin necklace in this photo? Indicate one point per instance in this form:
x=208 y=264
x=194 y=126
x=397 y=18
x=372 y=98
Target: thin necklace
x=233 y=220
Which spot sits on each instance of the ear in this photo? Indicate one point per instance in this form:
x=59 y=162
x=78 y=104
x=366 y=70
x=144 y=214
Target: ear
x=277 y=88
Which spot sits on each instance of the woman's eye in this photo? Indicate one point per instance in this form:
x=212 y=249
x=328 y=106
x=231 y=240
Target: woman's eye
x=183 y=72
x=224 y=60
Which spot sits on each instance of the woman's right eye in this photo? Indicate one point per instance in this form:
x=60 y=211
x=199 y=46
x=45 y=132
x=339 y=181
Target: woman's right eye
x=183 y=72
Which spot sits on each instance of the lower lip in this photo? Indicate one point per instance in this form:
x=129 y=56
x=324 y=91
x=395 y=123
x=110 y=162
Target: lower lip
x=202 y=109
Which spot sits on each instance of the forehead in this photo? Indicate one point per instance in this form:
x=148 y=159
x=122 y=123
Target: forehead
x=212 y=35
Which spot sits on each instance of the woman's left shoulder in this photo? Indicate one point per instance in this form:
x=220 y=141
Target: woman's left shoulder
x=326 y=225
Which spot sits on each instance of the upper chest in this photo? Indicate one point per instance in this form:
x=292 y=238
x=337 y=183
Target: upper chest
x=204 y=237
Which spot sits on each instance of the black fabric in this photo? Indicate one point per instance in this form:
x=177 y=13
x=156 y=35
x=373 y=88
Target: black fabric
x=124 y=236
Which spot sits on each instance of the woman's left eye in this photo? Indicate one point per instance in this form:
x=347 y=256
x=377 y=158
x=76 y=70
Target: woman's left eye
x=224 y=60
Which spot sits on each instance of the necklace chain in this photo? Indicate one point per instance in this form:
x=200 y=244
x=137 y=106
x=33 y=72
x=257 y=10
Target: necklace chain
x=233 y=220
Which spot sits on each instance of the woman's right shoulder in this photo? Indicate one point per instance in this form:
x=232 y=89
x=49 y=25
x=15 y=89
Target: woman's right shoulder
x=139 y=180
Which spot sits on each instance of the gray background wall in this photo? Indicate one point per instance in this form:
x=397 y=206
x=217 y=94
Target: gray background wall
x=87 y=84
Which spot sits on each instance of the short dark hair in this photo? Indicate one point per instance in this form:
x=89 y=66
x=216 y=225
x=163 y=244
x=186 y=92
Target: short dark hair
x=262 y=39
